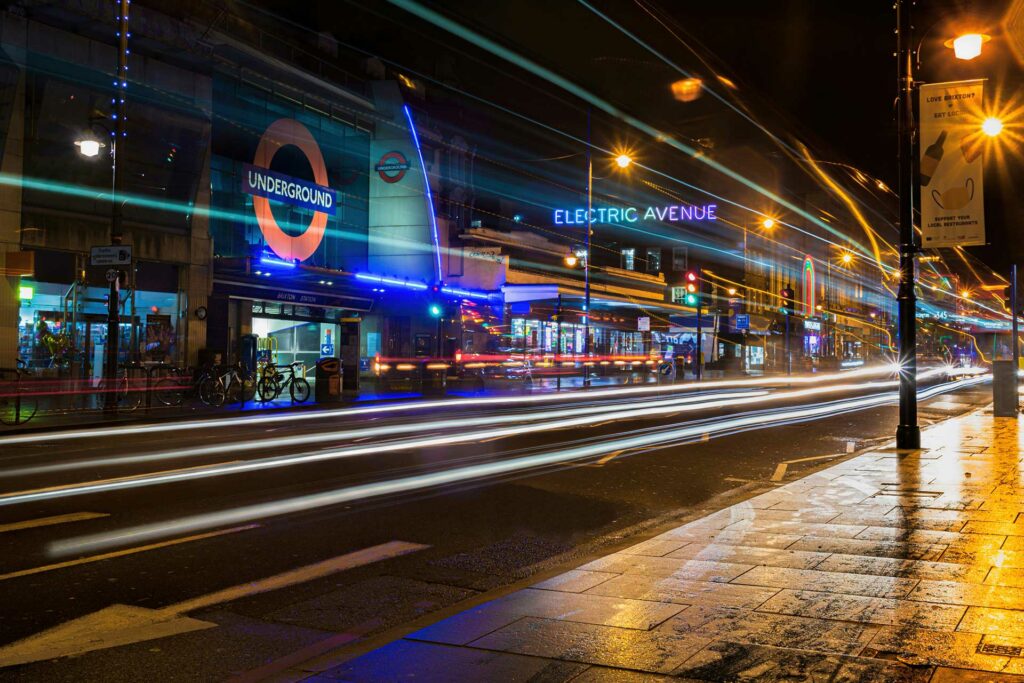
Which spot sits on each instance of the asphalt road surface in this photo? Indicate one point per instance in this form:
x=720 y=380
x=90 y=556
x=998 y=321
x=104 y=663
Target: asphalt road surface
x=211 y=550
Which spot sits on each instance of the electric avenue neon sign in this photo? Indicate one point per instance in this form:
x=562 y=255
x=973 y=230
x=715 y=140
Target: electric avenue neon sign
x=673 y=213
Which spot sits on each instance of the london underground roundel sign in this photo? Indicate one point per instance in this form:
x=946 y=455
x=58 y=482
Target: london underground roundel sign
x=392 y=167
x=265 y=185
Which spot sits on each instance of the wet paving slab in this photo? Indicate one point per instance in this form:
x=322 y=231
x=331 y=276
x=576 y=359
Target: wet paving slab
x=888 y=566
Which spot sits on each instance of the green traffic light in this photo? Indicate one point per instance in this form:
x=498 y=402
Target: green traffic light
x=435 y=310
x=691 y=299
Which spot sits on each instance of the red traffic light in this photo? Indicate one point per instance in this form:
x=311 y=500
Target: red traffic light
x=691 y=276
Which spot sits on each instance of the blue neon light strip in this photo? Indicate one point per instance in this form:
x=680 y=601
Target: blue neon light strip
x=271 y=261
x=469 y=294
x=426 y=185
x=409 y=284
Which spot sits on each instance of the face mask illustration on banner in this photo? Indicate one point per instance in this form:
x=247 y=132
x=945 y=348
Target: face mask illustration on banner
x=955 y=198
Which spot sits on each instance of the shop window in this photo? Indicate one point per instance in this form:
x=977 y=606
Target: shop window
x=629 y=258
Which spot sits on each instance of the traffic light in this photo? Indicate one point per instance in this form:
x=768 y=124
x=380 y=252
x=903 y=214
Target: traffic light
x=692 y=297
x=435 y=309
x=788 y=300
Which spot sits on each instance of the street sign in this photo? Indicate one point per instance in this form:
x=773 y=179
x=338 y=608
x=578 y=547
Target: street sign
x=114 y=255
x=327 y=349
x=950 y=171
x=643 y=324
x=742 y=321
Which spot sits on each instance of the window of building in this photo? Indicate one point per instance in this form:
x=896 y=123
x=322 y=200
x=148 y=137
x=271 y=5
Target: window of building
x=679 y=258
x=653 y=260
x=629 y=258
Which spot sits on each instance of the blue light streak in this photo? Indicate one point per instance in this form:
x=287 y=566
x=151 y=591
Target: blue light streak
x=426 y=186
x=468 y=294
x=395 y=282
x=271 y=261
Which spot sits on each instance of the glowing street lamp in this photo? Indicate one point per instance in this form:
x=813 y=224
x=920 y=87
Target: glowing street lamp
x=847 y=258
x=968 y=45
x=571 y=260
x=89 y=147
x=623 y=161
x=992 y=126
x=768 y=223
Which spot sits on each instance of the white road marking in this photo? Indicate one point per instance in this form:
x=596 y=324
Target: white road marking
x=126 y=624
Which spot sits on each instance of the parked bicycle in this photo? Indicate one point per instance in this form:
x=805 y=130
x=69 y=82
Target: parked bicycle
x=276 y=379
x=227 y=384
x=17 y=405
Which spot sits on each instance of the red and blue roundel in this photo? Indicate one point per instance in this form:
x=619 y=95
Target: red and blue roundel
x=392 y=167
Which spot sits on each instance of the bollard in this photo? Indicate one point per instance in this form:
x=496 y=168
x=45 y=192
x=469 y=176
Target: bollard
x=1004 y=388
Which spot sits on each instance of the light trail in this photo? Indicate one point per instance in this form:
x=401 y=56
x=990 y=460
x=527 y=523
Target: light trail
x=236 y=467
x=262 y=420
x=354 y=434
x=146 y=532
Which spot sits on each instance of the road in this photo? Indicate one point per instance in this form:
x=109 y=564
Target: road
x=242 y=545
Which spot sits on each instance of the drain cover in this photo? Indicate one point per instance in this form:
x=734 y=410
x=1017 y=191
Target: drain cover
x=1003 y=650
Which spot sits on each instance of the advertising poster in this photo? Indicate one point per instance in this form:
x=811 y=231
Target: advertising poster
x=951 y=142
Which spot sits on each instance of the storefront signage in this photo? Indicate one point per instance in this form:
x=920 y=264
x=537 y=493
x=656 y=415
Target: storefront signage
x=673 y=213
x=321 y=199
x=283 y=188
x=812 y=325
x=742 y=321
x=952 y=142
x=265 y=293
x=392 y=167
x=643 y=324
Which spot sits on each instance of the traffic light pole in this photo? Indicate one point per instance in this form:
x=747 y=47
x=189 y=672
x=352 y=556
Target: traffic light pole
x=908 y=434
x=789 y=354
x=1015 y=345
x=698 y=357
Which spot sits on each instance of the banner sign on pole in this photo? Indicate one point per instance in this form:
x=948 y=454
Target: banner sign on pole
x=951 y=142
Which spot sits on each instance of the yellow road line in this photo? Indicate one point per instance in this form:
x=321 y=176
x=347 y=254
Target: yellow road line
x=122 y=553
x=99 y=482
x=50 y=521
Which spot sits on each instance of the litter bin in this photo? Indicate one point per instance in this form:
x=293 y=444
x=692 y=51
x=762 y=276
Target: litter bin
x=328 y=380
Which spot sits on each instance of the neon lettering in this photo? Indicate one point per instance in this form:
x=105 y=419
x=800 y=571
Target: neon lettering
x=558 y=216
x=627 y=216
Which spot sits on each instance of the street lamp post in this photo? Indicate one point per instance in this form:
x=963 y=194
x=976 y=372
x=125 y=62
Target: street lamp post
x=908 y=434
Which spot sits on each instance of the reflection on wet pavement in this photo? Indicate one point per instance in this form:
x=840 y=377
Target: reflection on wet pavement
x=890 y=566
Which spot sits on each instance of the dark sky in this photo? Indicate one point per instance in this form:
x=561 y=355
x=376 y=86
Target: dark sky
x=822 y=71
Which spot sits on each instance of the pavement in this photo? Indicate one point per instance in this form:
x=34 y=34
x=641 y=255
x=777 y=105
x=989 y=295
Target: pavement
x=889 y=566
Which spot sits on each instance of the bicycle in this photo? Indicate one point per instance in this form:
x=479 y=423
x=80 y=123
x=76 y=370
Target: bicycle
x=276 y=379
x=229 y=384
x=176 y=386
x=16 y=407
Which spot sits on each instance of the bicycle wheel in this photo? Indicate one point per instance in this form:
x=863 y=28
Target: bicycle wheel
x=268 y=388
x=12 y=413
x=170 y=391
x=212 y=392
x=299 y=390
x=129 y=395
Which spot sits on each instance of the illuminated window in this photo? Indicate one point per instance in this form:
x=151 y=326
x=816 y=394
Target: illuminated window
x=629 y=258
x=653 y=260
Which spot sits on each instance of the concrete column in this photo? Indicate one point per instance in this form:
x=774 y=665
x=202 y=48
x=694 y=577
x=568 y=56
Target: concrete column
x=10 y=219
x=199 y=281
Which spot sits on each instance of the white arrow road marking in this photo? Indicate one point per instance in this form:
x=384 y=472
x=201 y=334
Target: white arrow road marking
x=50 y=521
x=125 y=624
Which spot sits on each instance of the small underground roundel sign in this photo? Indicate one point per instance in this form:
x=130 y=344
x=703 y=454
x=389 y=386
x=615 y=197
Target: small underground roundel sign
x=392 y=167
